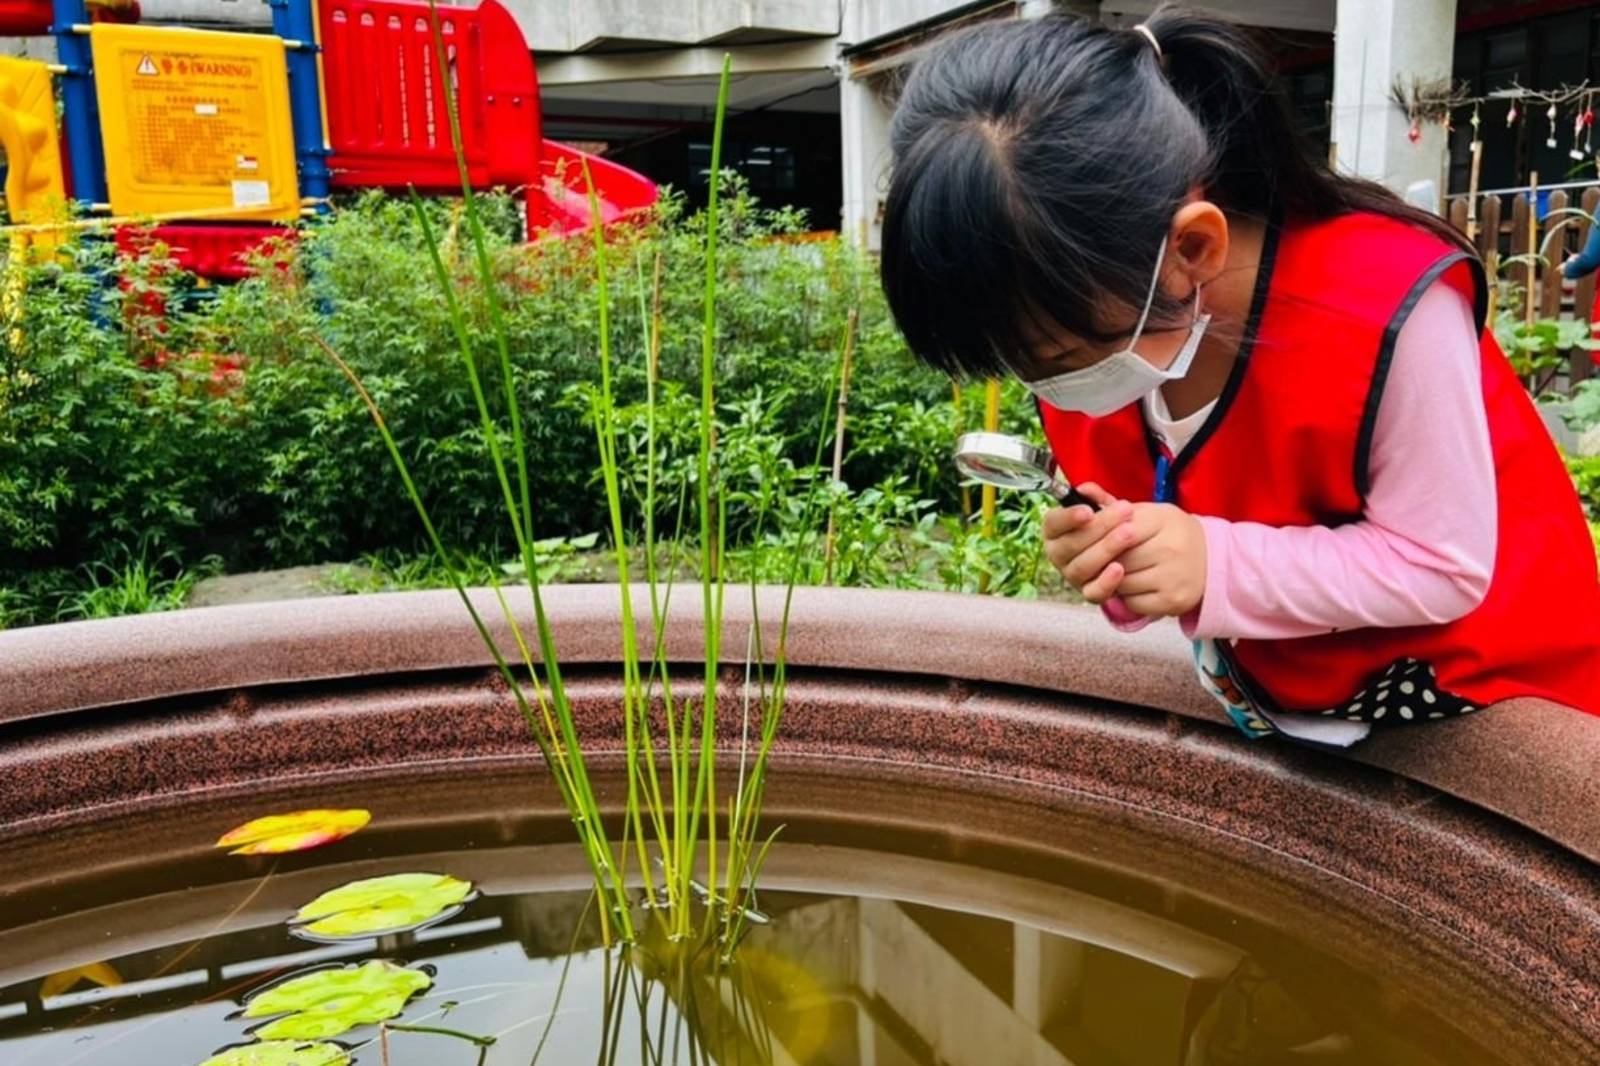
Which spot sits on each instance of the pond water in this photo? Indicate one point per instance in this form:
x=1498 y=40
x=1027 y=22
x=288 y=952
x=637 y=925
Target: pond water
x=917 y=937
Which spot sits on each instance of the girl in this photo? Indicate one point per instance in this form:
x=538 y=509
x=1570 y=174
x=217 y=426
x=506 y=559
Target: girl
x=1274 y=379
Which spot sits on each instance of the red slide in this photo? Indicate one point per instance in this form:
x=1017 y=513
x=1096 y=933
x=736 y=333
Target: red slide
x=566 y=197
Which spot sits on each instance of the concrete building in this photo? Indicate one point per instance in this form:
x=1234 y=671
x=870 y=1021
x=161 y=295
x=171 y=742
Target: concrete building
x=814 y=81
x=814 y=90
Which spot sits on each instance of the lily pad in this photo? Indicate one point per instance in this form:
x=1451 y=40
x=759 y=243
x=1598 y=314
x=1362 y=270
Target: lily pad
x=281 y=1053
x=330 y=1001
x=393 y=904
x=296 y=831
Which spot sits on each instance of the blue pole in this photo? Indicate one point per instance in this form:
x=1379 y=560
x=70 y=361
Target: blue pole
x=81 y=114
x=292 y=20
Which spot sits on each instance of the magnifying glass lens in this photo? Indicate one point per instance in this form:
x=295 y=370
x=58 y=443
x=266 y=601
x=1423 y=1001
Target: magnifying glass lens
x=1006 y=462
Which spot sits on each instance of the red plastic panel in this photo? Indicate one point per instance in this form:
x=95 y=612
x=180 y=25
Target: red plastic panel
x=387 y=118
x=389 y=128
x=25 y=18
x=510 y=99
x=221 y=253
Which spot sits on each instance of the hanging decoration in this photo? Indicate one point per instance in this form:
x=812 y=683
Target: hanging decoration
x=1427 y=101
x=1587 y=121
x=1518 y=98
x=1437 y=100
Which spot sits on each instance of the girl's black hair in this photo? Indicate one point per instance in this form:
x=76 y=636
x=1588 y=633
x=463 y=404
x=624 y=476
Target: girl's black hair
x=1038 y=163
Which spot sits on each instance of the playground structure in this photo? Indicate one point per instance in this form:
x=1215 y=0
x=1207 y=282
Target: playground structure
x=213 y=143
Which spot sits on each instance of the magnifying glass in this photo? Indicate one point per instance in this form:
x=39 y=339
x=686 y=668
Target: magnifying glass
x=1009 y=463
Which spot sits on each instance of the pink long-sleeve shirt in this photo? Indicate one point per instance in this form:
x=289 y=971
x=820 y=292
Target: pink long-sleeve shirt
x=1424 y=550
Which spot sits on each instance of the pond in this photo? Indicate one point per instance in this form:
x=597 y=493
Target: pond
x=905 y=919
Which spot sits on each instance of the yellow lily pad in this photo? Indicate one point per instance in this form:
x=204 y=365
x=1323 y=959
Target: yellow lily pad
x=296 y=831
x=101 y=973
x=393 y=904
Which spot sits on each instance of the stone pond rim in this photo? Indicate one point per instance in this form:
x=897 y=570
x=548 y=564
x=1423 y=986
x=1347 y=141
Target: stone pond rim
x=1529 y=761
x=1486 y=828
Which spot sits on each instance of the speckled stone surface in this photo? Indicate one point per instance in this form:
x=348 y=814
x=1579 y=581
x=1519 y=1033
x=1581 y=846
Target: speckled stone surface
x=1049 y=646
x=1288 y=831
x=917 y=699
x=1531 y=762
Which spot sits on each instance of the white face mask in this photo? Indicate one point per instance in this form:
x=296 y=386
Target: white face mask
x=1123 y=377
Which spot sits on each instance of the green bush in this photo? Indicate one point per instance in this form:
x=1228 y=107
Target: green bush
x=143 y=414
x=98 y=452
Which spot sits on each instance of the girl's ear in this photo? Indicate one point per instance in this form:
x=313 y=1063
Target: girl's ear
x=1199 y=243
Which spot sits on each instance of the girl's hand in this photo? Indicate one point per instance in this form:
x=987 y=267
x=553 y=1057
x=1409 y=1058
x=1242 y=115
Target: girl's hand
x=1165 y=568
x=1083 y=544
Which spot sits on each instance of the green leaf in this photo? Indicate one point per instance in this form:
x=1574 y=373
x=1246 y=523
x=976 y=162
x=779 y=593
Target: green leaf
x=1571 y=332
x=1585 y=410
x=395 y=903
x=280 y=1053
x=327 y=1002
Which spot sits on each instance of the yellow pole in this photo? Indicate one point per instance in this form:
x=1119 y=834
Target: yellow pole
x=322 y=75
x=139 y=220
x=1533 y=246
x=838 y=440
x=1472 y=190
x=991 y=424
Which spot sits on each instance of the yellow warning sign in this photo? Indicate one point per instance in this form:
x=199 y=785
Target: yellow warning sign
x=195 y=121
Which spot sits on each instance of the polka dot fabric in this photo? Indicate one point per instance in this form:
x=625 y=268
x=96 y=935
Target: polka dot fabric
x=1407 y=691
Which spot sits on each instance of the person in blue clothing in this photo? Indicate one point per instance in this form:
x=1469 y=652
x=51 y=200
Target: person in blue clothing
x=1582 y=265
x=1585 y=262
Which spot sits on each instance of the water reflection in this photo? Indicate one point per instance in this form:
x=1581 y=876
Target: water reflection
x=832 y=980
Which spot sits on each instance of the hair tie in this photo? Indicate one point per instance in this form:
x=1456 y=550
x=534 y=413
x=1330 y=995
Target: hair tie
x=1150 y=36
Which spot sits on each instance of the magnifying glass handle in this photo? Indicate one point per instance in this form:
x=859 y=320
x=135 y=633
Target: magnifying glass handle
x=1071 y=497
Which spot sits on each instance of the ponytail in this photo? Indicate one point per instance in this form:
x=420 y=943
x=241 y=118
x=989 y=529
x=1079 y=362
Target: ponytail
x=1029 y=156
x=1262 y=155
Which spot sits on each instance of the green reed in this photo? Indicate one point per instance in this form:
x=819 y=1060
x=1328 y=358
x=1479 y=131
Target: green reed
x=671 y=814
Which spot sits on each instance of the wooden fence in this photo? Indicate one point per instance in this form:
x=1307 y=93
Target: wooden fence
x=1506 y=226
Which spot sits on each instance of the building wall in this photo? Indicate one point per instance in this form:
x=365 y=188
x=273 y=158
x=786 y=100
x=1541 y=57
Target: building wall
x=867 y=19
x=1377 y=44
x=580 y=25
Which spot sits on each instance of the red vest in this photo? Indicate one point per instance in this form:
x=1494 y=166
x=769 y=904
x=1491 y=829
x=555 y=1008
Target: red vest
x=1287 y=445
